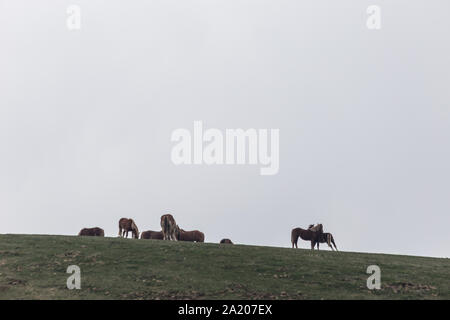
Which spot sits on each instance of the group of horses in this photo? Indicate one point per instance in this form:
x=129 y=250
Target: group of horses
x=171 y=231
x=315 y=234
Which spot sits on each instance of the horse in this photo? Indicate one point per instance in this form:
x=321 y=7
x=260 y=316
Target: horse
x=325 y=238
x=156 y=235
x=194 y=236
x=169 y=227
x=313 y=234
x=126 y=225
x=226 y=241
x=93 y=232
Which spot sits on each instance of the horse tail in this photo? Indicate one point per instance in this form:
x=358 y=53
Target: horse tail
x=332 y=241
x=165 y=227
x=294 y=237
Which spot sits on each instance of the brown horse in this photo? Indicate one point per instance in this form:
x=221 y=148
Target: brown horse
x=328 y=239
x=126 y=225
x=312 y=235
x=226 y=241
x=169 y=227
x=194 y=236
x=156 y=235
x=93 y=232
x=325 y=238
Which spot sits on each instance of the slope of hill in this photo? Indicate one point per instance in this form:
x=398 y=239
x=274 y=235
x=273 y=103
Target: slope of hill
x=34 y=267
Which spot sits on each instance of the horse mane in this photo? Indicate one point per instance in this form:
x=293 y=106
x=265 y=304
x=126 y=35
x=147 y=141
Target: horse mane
x=317 y=228
x=134 y=226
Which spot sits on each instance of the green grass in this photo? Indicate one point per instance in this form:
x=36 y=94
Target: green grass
x=34 y=267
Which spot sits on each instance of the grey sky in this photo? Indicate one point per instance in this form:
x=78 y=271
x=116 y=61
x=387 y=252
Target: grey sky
x=86 y=118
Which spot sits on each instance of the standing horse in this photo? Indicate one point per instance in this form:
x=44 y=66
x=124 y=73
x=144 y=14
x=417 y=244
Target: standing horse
x=126 y=225
x=313 y=234
x=325 y=238
x=169 y=227
x=93 y=232
x=194 y=236
x=156 y=235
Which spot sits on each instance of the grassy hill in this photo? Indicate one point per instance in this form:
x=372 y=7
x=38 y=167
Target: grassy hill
x=34 y=267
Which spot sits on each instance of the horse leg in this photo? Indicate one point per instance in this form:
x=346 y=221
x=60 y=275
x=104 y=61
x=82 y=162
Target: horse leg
x=313 y=244
x=334 y=244
x=294 y=242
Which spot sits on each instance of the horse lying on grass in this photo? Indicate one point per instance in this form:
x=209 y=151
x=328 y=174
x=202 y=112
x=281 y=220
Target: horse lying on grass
x=156 y=235
x=194 y=236
x=93 y=232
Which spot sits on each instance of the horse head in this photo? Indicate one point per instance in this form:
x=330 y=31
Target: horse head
x=134 y=230
x=178 y=230
x=317 y=228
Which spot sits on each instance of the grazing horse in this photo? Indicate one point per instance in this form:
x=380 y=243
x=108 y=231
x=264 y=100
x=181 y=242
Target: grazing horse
x=156 y=235
x=93 y=232
x=313 y=234
x=325 y=238
x=194 y=236
x=126 y=225
x=226 y=241
x=169 y=227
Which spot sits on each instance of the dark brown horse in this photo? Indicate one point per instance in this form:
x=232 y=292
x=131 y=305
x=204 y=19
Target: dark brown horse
x=194 y=236
x=126 y=225
x=226 y=241
x=325 y=238
x=93 y=232
x=312 y=235
x=328 y=239
x=156 y=235
x=169 y=227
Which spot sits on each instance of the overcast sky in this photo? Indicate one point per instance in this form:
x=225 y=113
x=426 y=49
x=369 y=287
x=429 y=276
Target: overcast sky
x=86 y=119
